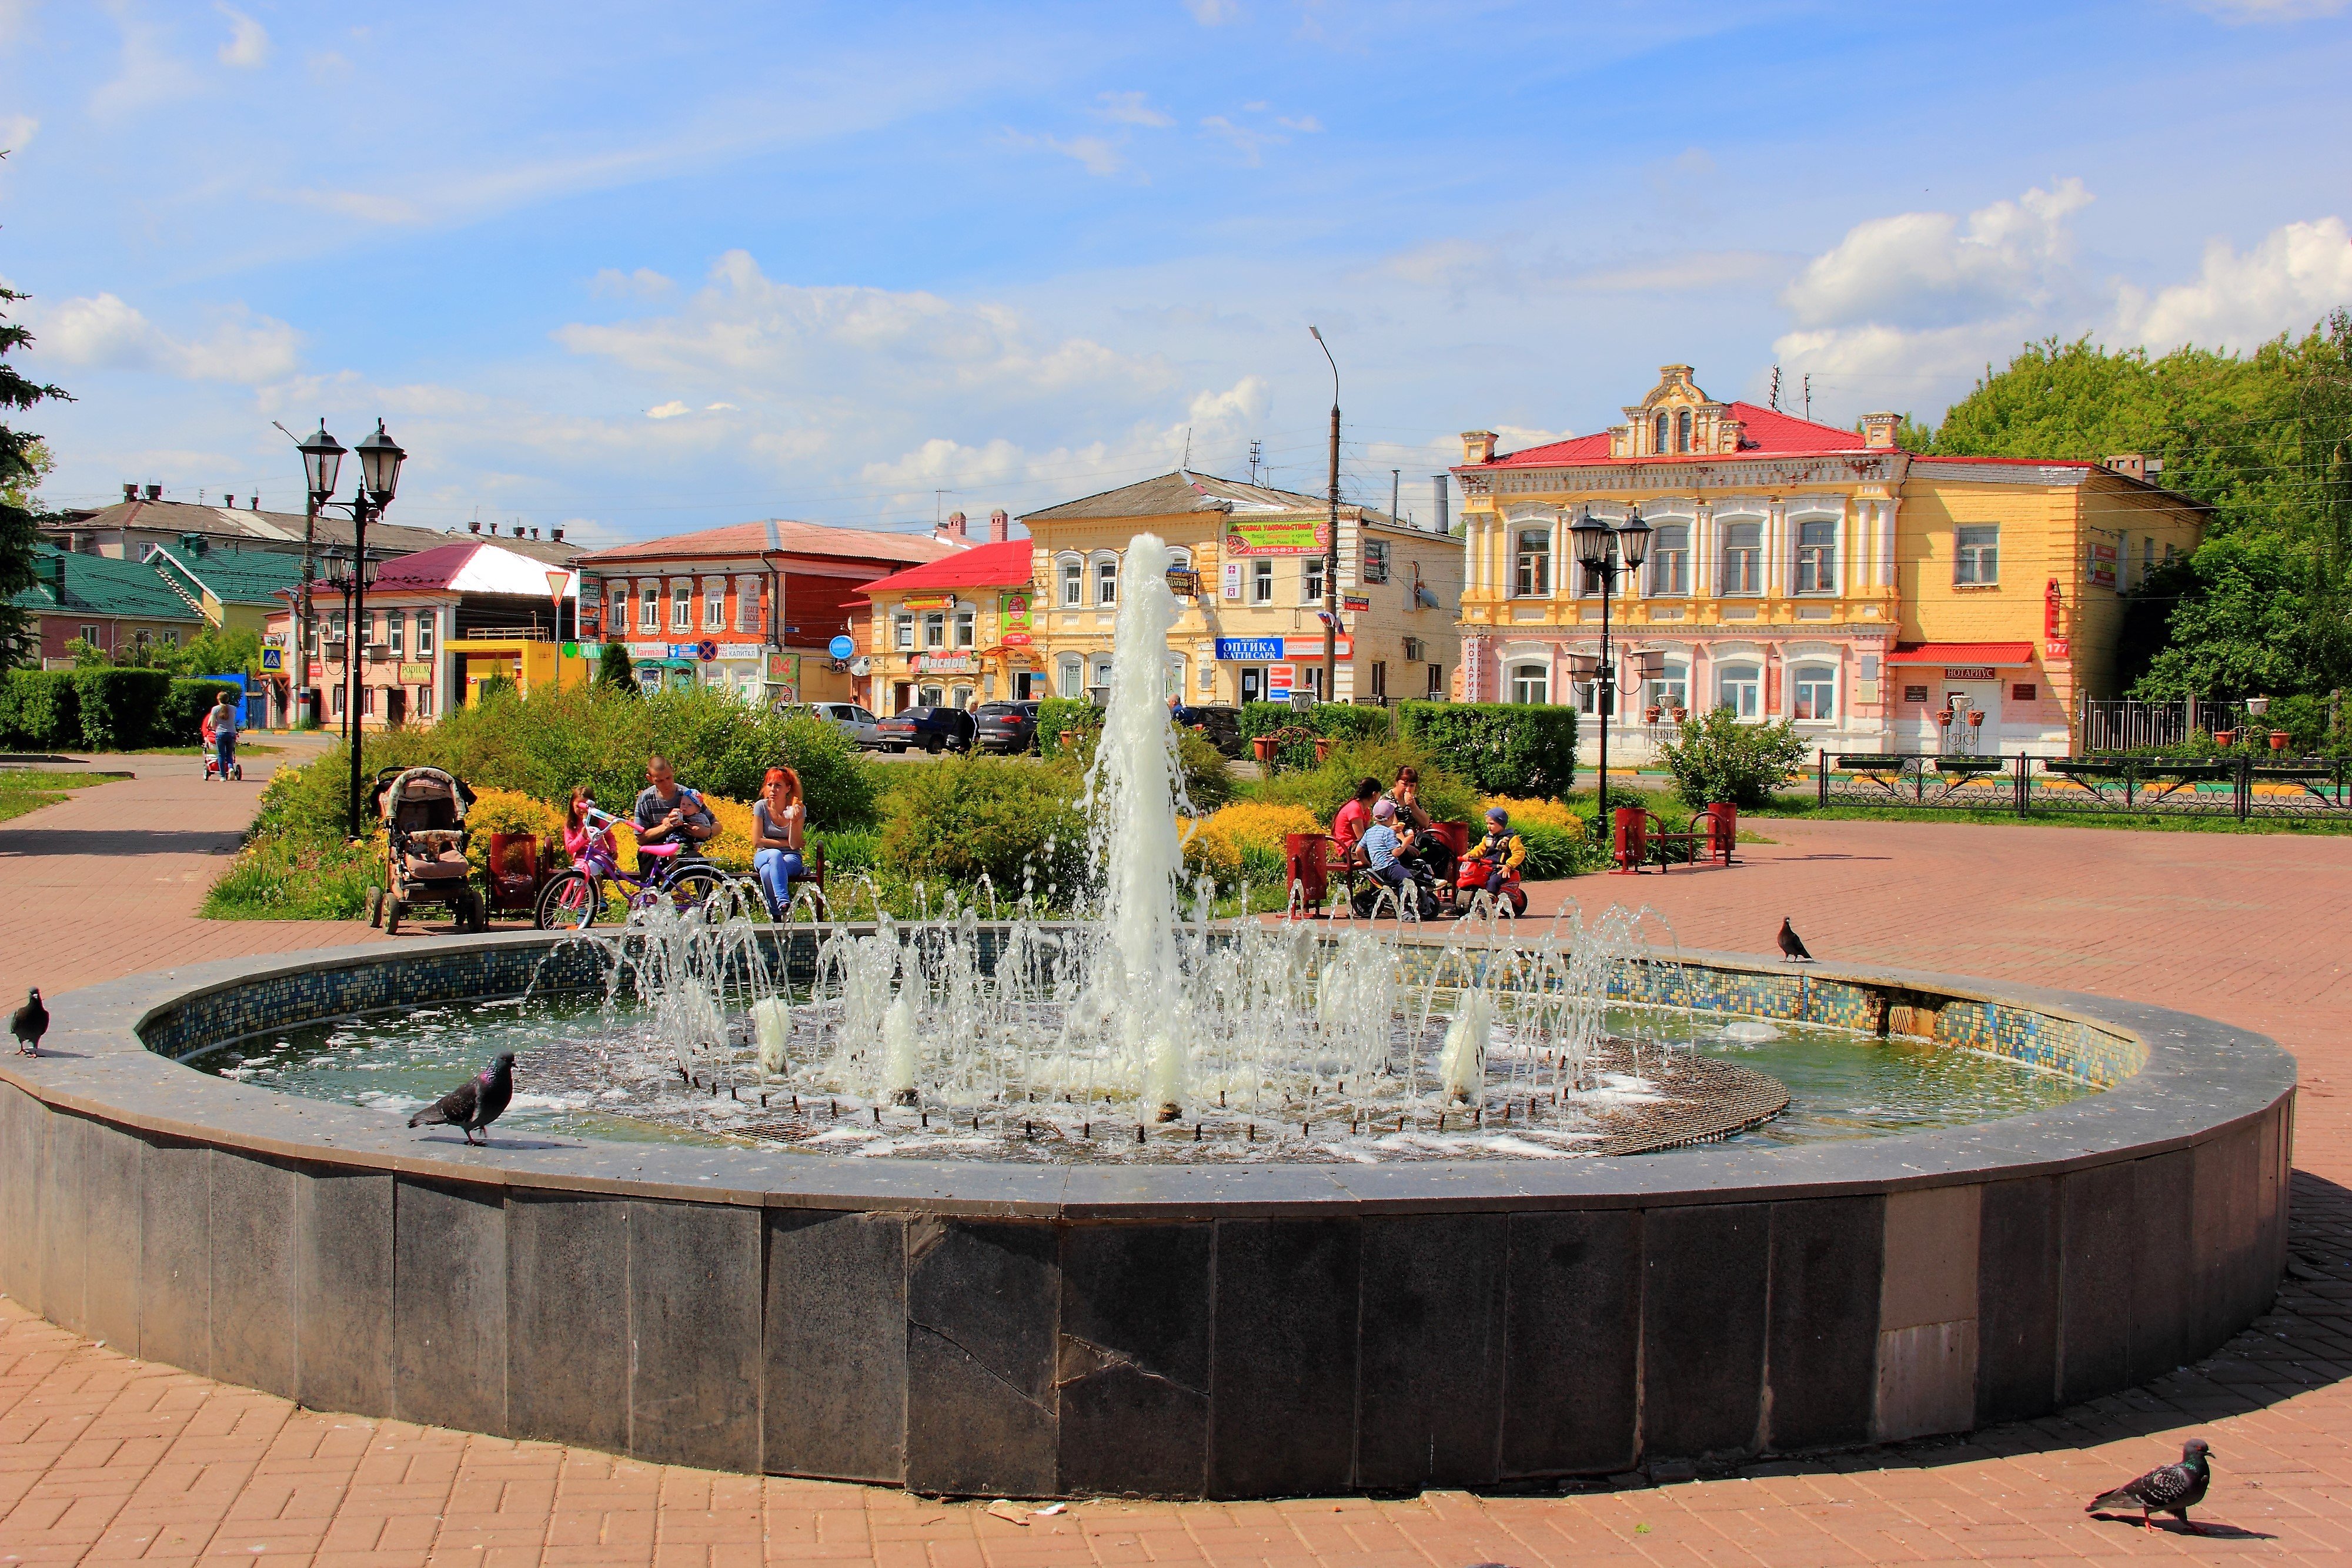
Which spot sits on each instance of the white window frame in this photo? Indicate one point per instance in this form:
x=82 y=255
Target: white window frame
x=1817 y=676
x=1531 y=682
x=935 y=630
x=1437 y=682
x=396 y=628
x=1180 y=558
x=714 y=604
x=1379 y=677
x=1070 y=676
x=1531 y=565
x=649 y=608
x=1816 y=563
x=1098 y=671
x=967 y=626
x=681 y=605
x=1743 y=695
x=1071 y=570
x=1310 y=579
x=902 y=630
x=1976 y=562
x=1750 y=556
x=1105 y=566
x=427 y=620
x=1669 y=565
x=1261 y=582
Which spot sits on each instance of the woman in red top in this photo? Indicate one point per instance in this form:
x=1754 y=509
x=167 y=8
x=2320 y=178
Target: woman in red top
x=1355 y=819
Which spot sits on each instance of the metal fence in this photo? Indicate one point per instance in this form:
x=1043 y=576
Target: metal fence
x=2122 y=724
x=2318 y=786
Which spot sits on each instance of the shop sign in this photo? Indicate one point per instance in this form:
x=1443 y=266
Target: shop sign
x=925 y=601
x=1248 y=650
x=1968 y=672
x=705 y=650
x=1280 y=679
x=1232 y=589
x=2103 y=565
x=649 y=651
x=1356 y=601
x=1270 y=536
x=2057 y=647
x=1016 y=639
x=416 y=672
x=946 y=664
x=742 y=649
x=784 y=675
x=1312 y=647
x=318 y=673
x=1183 y=582
x=1013 y=612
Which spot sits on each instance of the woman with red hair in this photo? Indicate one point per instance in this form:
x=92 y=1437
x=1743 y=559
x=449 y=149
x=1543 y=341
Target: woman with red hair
x=779 y=817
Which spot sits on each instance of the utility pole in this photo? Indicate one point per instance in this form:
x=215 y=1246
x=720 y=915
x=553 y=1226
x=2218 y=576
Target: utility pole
x=1396 y=494
x=1808 y=394
x=1257 y=453
x=1776 y=389
x=1331 y=544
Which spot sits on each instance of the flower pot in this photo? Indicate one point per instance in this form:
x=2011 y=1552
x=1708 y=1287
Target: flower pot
x=1263 y=747
x=1069 y=739
x=1650 y=715
x=1976 y=717
x=2279 y=738
x=1322 y=749
x=2225 y=737
x=1682 y=715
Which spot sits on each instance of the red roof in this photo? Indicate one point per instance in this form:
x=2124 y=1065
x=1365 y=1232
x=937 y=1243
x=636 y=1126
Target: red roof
x=1768 y=432
x=1962 y=654
x=781 y=534
x=1002 y=565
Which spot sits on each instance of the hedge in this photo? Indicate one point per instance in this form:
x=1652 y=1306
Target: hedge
x=1504 y=749
x=182 y=721
x=40 y=711
x=102 y=709
x=120 y=709
x=1056 y=715
x=1332 y=721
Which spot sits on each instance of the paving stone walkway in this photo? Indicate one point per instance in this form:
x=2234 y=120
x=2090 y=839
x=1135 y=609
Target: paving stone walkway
x=106 y=1458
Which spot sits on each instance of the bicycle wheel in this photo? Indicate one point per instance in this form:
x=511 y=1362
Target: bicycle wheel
x=699 y=887
x=568 y=903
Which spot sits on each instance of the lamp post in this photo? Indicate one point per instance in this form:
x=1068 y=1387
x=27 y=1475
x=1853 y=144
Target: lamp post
x=380 y=459
x=1331 y=542
x=1608 y=553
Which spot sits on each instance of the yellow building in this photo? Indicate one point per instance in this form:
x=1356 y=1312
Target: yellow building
x=1251 y=560
x=951 y=633
x=1797 y=571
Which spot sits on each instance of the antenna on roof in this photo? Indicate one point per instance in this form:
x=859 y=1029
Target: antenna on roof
x=1808 y=394
x=1776 y=389
x=1257 y=454
x=1188 y=449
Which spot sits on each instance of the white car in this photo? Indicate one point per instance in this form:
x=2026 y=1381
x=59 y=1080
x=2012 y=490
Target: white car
x=847 y=717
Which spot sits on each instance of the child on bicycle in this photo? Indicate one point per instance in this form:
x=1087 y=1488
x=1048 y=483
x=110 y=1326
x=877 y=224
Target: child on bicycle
x=588 y=835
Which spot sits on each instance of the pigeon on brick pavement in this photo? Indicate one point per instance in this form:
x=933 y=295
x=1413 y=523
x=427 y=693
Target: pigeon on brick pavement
x=1791 y=945
x=30 y=1022
x=2167 y=1489
x=475 y=1103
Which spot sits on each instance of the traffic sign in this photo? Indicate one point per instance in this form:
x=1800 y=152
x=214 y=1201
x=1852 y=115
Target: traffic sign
x=842 y=647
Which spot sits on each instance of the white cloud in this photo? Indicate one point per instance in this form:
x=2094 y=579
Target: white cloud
x=644 y=283
x=1213 y=12
x=1305 y=124
x=103 y=331
x=16 y=131
x=669 y=410
x=1929 y=269
x=2271 y=10
x=1131 y=108
x=149 y=76
x=1098 y=156
x=1246 y=141
x=249 y=40
x=2295 y=275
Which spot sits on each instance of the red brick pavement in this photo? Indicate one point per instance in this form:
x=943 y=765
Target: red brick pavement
x=103 y=1456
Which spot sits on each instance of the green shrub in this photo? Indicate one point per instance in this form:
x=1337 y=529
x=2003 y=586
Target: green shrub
x=849 y=849
x=1719 y=758
x=1207 y=784
x=40 y=711
x=182 y=721
x=1332 y=721
x=1552 y=853
x=1323 y=789
x=614 y=669
x=1056 y=715
x=954 y=819
x=1521 y=749
x=280 y=879
x=119 y=708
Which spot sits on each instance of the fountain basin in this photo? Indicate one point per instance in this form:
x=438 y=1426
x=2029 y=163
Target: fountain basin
x=1224 y=1331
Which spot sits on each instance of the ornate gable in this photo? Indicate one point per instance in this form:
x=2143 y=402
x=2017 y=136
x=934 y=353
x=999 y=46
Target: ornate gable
x=1677 y=419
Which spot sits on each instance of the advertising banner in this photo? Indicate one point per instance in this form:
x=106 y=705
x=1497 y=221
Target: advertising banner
x=416 y=673
x=1013 y=612
x=924 y=602
x=1248 y=650
x=1280 y=679
x=1312 y=647
x=2103 y=565
x=783 y=677
x=1276 y=536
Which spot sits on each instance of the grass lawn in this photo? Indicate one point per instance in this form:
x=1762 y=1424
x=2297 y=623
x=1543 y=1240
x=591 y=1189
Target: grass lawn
x=24 y=790
x=242 y=749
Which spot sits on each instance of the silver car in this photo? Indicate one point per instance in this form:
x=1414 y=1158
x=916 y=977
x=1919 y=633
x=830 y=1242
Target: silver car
x=847 y=717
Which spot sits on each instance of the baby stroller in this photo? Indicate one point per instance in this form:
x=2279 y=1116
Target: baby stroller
x=423 y=813
x=211 y=756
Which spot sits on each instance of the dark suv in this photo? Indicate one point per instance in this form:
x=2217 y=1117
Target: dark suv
x=1222 y=725
x=1007 y=726
x=932 y=728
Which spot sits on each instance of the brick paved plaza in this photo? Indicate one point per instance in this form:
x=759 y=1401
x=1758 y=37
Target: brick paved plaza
x=103 y=1456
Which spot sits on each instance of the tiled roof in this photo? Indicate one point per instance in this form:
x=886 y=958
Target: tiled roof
x=1003 y=565
x=100 y=585
x=1171 y=495
x=1767 y=434
x=237 y=577
x=779 y=533
x=463 y=566
x=283 y=530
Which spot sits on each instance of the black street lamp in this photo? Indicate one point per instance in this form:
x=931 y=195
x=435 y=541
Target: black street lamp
x=380 y=459
x=1331 y=545
x=1608 y=553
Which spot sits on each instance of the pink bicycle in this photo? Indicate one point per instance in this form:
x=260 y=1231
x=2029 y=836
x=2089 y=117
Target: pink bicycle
x=572 y=899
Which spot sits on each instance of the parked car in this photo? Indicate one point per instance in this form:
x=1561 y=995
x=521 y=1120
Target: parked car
x=1222 y=725
x=1006 y=727
x=932 y=728
x=852 y=721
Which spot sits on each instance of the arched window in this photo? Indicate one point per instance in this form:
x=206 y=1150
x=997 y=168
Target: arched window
x=1072 y=569
x=1683 y=431
x=1534 y=579
x=1180 y=558
x=1073 y=676
x=1098 y=675
x=1106 y=579
x=1176 y=676
x=1743 y=558
x=1531 y=683
x=1670 y=561
x=1671 y=690
x=1817 y=557
x=1741 y=688
x=1813 y=689
x=1659 y=442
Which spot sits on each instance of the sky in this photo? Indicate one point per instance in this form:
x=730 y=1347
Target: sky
x=640 y=270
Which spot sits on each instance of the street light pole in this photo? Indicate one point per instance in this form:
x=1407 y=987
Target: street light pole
x=1608 y=553
x=1331 y=542
x=380 y=460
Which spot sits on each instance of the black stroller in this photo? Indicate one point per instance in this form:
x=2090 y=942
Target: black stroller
x=423 y=813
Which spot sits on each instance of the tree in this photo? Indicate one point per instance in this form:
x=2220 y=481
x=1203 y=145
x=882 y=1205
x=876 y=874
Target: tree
x=2253 y=614
x=23 y=461
x=613 y=670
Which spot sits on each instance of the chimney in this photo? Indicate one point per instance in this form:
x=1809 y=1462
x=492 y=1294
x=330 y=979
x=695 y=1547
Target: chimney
x=999 y=527
x=956 y=525
x=257 y=504
x=131 y=491
x=534 y=533
x=1440 y=482
x=1477 y=446
x=1878 y=429
x=154 y=492
x=58 y=579
x=476 y=525
x=555 y=535
x=2130 y=464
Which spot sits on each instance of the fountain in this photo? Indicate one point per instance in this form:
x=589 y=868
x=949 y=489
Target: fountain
x=1144 y=1200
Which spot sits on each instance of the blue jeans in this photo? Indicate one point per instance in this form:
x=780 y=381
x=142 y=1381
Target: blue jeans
x=224 y=748
x=775 y=870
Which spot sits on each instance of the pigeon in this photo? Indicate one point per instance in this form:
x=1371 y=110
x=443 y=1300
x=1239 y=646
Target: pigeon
x=2167 y=1489
x=475 y=1103
x=30 y=1022
x=1791 y=945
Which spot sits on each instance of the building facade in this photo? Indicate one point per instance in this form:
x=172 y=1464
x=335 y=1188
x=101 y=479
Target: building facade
x=953 y=632
x=750 y=606
x=116 y=606
x=1883 y=601
x=1251 y=560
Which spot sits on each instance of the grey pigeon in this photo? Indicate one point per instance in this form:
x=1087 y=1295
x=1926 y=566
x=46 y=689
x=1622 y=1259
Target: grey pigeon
x=1791 y=945
x=30 y=1022
x=2167 y=1489
x=475 y=1103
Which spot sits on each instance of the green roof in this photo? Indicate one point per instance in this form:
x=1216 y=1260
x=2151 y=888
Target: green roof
x=238 y=577
x=98 y=585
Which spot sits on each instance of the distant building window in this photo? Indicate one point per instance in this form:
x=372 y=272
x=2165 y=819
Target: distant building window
x=1743 y=557
x=1376 y=560
x=1671 y=690
x=424 y=702
x=1533 y=576
x=935 y=630
x=714 y=604
x=89 y=634
x=1107 y=582
x=425 y=619
x=1813 y=689
x=1683 y=431
x=337 y=706
x=399 y=627
x=1073 y=675
x=1670 y=561
x=1531 y=683
x=1310 y=581
x=1741 y=688
x=1098 y=676
x=1379 y=677
x=1817 y=557
x=1073 y=584
x=1437 y=682
x=681 y=607
x=1658 y=442
x=902 y=631
x=335 y=626
x=967 y=628
x=1976 y=554
x=649 y=609
x=1261 y=582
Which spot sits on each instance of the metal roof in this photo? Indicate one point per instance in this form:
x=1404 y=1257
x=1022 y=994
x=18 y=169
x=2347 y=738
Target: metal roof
x=98 y=585
x=781 y=534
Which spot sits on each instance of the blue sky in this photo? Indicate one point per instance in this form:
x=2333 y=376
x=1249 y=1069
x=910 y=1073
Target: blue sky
x=639 y=269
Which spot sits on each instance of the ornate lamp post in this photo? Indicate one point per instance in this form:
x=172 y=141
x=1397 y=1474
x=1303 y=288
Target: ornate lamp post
x=1331 y=545
x=380 y=459
x=1608 y=553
